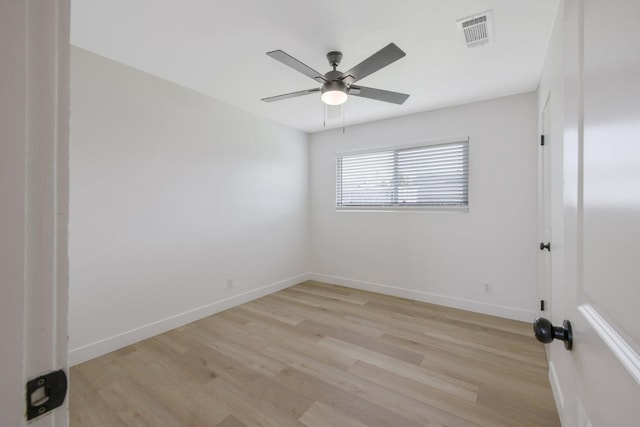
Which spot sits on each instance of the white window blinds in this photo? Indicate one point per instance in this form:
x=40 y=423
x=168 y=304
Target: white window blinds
x=423 y=177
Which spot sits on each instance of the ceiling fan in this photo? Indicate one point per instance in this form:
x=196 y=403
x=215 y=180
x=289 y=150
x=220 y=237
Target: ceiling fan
x=336 y=85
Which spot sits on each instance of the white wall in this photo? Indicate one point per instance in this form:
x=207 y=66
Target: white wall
x=440 y=257
x=172 y=193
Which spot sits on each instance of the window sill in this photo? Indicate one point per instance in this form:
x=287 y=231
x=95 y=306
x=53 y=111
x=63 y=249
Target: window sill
x=436 y=209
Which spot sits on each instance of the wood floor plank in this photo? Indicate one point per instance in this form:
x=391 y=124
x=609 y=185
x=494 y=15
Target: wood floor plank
x=344 y=399
x=231 y=421
x=351 y=298
x=467 y=412
x=362 y=341
x=323 y=355
x=413 y=340
x=101 y=374
x=182 y=365
x=321 y=415
x=328 y=318
x=269 y=311
x=137 y=407
x=425 y=310
x=183 y=398
x=445 y=383
x=454 y=357
x=385 y=400
x=309 y=349
x=246 y=407
x=88 y=408
x=530 y=409
x=420 y=333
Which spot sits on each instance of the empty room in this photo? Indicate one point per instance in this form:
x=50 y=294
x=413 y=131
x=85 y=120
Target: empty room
x=292 y=213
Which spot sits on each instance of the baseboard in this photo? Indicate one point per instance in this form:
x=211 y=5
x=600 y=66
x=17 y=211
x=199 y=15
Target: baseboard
x=107 y=345
x=448 y=301
x=557 y=391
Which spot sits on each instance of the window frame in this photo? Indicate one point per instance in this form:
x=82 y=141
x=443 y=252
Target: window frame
x=400 y=147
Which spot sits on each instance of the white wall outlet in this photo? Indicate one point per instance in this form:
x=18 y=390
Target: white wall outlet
x=229 y=283
x=486 y=288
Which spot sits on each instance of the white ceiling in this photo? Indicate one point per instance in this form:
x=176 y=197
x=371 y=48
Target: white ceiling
x=218 y=48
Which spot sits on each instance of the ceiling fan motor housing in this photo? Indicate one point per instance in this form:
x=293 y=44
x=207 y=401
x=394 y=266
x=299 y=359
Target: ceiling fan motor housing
x=332 y=85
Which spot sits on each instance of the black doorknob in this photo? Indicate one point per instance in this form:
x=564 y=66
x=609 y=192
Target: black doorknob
x=546 y=332
x=546 y=246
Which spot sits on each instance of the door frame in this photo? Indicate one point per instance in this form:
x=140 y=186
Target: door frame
x=34 y=188
x=544 y=204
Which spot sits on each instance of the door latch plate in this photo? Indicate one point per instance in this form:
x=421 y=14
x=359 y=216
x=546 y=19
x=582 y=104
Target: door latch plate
x=45 y=393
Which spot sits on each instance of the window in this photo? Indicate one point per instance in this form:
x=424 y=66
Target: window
x=423 y=177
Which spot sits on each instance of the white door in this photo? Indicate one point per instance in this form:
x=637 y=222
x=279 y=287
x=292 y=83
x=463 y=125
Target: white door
x=34 y=105
x=605 y=214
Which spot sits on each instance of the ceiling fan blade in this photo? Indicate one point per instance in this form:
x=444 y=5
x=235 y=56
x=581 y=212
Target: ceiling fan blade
x=290 y=95
x=378 y=94
x=292 y=62
x=385 y=56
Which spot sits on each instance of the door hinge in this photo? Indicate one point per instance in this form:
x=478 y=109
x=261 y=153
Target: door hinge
x=45 y=393
x=541 y=305
x=541 y=139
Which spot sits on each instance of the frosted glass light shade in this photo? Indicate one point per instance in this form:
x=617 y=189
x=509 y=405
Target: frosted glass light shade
x=334 y=97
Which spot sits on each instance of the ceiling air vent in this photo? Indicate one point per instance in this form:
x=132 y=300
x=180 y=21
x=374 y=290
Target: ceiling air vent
x=477 y=29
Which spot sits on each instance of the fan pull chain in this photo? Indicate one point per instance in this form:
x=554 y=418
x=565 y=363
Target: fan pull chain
x=324 y=115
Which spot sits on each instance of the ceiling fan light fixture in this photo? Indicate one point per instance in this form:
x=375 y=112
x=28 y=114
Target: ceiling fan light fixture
x=334 y=93
x=334 y=97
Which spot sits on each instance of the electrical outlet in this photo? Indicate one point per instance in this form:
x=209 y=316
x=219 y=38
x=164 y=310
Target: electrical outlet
x=229 y=283
x=487 y=288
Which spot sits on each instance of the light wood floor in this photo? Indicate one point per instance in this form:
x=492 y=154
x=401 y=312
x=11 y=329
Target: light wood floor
x=323 y=355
